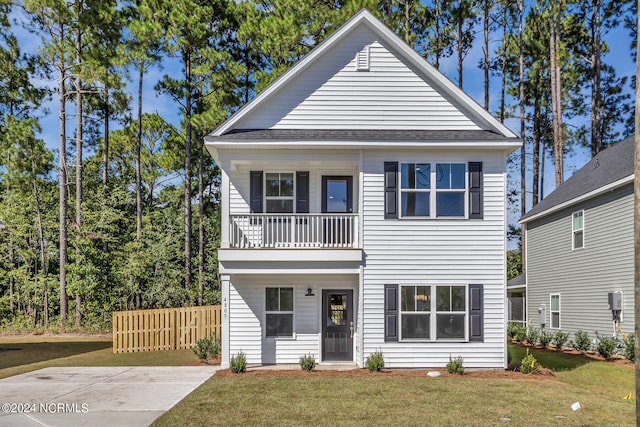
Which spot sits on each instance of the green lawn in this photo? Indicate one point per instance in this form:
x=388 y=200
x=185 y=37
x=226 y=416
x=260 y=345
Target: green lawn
x=25 y=354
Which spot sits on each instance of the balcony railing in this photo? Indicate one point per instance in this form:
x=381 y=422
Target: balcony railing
x=294 y=231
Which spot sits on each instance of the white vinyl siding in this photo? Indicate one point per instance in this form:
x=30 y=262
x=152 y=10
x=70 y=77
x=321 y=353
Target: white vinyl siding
x=333 y=94
x=585 y=277
x=247 y=315
x=446 y=252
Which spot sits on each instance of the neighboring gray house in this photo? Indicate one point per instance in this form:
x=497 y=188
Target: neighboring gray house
x=579 y=248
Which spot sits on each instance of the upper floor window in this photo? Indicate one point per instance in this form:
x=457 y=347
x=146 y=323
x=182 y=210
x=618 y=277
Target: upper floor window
x=433 y=190
x=279 y=192
x=578 y=229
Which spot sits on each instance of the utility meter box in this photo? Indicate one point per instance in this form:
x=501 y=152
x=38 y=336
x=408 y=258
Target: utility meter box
x=542 y=315
x=615 y=301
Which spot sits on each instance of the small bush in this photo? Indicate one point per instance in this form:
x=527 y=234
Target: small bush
x=532 y=335
x=455 y=366
x=207 y=347
x=545 y=338
x=238 y=363
x=629 y=350
x=606 y=346
x=582 y=342
x=516 y=331
x=529 y=364
x=375 y=362
x=559 y=339
x=307 y=362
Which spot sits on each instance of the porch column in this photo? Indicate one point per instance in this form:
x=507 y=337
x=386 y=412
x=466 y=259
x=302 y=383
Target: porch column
x=225 y=281
x=224 y=207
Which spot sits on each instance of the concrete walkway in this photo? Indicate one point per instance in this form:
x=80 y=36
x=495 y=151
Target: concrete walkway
x=105 y=396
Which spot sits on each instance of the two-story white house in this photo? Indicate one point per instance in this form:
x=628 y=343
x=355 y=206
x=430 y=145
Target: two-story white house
x=363 y=209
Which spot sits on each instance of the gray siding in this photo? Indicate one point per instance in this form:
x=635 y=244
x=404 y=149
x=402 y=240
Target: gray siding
x=583 y=277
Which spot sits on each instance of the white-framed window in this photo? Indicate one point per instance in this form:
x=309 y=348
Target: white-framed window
x=433 y=190
x=415 y=312
x=433 y=312
x=578 y=229
x=279 y=312
x=554 y=311
x=279 y=194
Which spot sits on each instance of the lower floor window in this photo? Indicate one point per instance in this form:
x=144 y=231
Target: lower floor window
x=433 y=311
x=555 y=311
x=279 y=312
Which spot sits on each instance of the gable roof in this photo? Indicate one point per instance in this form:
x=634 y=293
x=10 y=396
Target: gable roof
x=609 y=169
x=362 y=21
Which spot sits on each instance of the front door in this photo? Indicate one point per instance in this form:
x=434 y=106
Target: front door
x=337 y=198
x=337 y=325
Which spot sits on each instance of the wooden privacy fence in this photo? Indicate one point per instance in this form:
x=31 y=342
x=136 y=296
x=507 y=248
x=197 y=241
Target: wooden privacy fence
x=164 y=329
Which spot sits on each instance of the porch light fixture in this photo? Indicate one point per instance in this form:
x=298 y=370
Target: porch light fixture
x=309 y=293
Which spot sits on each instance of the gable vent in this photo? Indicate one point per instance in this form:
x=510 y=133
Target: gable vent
x=362 y=60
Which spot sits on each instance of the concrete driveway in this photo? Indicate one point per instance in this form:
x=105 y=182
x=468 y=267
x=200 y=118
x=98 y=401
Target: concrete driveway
x=106 y=396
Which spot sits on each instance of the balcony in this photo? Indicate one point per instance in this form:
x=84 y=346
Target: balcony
x=282 y=231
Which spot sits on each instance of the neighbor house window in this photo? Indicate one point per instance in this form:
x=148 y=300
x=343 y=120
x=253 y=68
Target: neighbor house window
x=433 y=190
x=415 y=308
x=449 y=303
x=578 y=230
x=279 y=312
x=279 y=192
x=555 y=311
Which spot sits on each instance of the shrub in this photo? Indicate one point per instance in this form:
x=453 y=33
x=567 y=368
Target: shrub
x=529 y=364
x=207 y=347
x=307 y=362
x=606 y=346
x=629 y=351
x=582 y=342
x=532 y=335
x=516 y=331
x=545 y=338
x=238 y=363
x=375 y=362
x=559 y=339
x=455 y=366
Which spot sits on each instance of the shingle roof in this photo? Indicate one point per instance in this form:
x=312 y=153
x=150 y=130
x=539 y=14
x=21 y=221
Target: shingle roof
x=358 y=135
x=518 y=281
x=610 y=165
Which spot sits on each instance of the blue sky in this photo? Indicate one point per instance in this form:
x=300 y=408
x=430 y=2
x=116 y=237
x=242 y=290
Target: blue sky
x=619 y=56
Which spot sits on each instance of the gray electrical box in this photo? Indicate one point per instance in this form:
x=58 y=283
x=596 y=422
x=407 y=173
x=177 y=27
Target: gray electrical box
x=615 y=301
x=542 y=315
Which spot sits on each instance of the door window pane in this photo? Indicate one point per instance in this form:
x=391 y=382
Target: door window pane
x=336 y=193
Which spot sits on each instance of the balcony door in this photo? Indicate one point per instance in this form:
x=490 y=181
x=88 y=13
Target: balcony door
x=337 y=194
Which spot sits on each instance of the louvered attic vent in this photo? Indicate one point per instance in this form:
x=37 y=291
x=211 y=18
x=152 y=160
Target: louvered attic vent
x=362 y=60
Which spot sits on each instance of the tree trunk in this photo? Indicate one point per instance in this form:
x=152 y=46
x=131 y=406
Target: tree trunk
x=485 y=51
x=523 y=150
x=78 y=157
x=105 y=158
x=62 y=179
x=436 y=25
x=43 y=263
x=138 y=165
x=12 y=281
x=556 y=92
x=201 y=227
x=537 y=136
x=636 y=222
x=596 y=93
x=459 y=48
x=187 y=173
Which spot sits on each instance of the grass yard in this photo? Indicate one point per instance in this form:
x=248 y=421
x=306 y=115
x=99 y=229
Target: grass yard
x=324 y=399
x=554 y=360
x=29 y=353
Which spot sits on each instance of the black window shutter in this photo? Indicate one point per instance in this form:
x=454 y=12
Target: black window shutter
x=302 y=192
x=391 y=190
x=256 y=192
x=476 y=308
x=390 y=313
x=475 y=190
